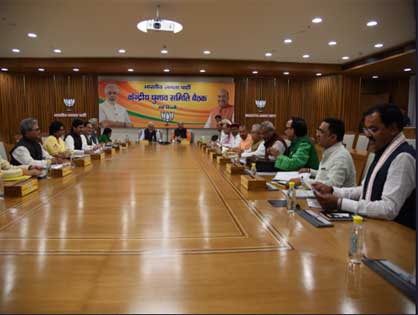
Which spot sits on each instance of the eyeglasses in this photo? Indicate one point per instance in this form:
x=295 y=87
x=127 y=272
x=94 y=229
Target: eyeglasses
x=369 y=130
x=36 y=129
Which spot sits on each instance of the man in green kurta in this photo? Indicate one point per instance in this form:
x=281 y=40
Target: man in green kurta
x=301 y=152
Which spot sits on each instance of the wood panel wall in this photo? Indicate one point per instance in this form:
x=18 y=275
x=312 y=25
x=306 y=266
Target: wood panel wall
x=40 y=96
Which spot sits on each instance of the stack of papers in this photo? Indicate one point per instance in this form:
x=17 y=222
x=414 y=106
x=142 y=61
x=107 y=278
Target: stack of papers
x=285 y=176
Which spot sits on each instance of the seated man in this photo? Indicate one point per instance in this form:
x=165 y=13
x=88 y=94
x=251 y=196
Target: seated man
x=150 y=133
x=273 y=144
x=301 y=153
x=233 y=138
x=91 y=140
x=54 y=144
x=105 y=136
x=245 y=139
x=257 y=148
x=336 y=167
x=28 y=151
x=180 y=132
x=218 y=136
x=388 y=191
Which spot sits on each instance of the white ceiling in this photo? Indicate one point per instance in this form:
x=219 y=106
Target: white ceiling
x=231 y=29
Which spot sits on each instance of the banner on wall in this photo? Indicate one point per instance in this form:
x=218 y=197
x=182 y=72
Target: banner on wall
x=134 y=102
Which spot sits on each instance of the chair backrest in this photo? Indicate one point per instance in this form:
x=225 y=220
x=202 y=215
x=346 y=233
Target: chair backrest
x=367 y=165
x=3 y=153
x=410 y=132
x=362 y=143
x=349 y=140
x=360 y=160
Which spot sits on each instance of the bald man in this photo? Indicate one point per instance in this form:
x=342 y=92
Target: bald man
x=224 y=109
x=111 y=114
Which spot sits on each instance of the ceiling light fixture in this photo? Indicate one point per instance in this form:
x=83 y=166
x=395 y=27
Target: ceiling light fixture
x=164 y=50
x=378 y=45
x=286 y=73
x=207 y=52
x=57 y=51
x=121 y=51
x=287 y=41
x=332 y=43
x=345 y=58
x=41 y=69
x=130 y=70
x=16 y=50
x=32 y=35
x=305 y=56
x=371 y=23
x=4 y=69
x=158 y=24
x=254 y=72
x=318 y=74
x=317 y=20
x=166 y=70
x=202 y=70
x=375 y=77
x=76 y=69
x=268 y=54
x=407 y=69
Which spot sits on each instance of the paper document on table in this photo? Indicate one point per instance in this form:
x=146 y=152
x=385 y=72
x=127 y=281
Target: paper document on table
x=286 y=176
x=300 y=193
x=313 y=203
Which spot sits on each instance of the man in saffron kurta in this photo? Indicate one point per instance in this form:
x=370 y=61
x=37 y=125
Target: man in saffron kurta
x=224 y=109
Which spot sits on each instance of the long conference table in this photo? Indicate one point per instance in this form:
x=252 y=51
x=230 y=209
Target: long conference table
x=164 y=229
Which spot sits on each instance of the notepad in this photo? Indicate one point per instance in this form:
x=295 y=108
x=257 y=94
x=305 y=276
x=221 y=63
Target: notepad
x=300 y=193
x=285 y=176
x=313 y=203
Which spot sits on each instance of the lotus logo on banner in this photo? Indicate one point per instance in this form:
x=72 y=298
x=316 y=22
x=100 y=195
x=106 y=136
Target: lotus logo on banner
x=69 y=102
x=260 y=104
x=167 y=116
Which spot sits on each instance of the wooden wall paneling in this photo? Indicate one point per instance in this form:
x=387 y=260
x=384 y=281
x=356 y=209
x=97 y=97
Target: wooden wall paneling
x=351 y=108
x=282 y=104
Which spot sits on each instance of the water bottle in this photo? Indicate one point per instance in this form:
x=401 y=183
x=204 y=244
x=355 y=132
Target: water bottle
x=253 y=169
x=355 y=252
x=291 y=198
x=203 y=139
x=126 y=139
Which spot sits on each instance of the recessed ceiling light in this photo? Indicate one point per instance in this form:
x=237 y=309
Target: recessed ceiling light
x=407 y=69
x=345 y=58
x=287 y=41
x=32 y=35
x=317 y=20
x=378 y=45
x=202 y=70
x=371 y=23
x=76 y=69
x=268 y=54
x=16 y=50
x=207 y=52
x=41 y=69
x=255 y=72
x=121 y=51
x=332 y=43
x=166 y=70
x=4 y=69
x=286 y=73
x=375 y=77
x=305 y=56
x=130 y=70
x=318 y=74
x=164 y=51
x=57 y=51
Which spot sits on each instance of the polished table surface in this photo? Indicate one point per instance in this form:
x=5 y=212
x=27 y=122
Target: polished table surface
x=163 y=229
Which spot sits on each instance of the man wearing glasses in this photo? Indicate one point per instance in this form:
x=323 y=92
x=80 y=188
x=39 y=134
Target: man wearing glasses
x=388 y=191
x=111 y=114
x=28 y=151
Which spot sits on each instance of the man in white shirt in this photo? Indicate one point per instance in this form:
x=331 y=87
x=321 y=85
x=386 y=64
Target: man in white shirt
x=28 y=151
x=150 y=133
x=75 y=141
x=273 y=144
x=336 y=167
x=388 y=191
x=257 y=148
x=111 y=114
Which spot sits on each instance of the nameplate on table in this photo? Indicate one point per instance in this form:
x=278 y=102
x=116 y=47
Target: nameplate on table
x=97 y=156
x=82 y=161
x=110 y=151
x=222 y=159
x=253 y=182
x=60 y=170
x=20 y=188
x=232 y=168
x=213 y=155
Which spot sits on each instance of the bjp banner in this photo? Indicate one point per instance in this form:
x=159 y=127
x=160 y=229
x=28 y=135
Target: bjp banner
x=198 y=103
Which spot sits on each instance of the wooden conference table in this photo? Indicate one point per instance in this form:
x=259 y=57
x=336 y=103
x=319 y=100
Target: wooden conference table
x=163 y=229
